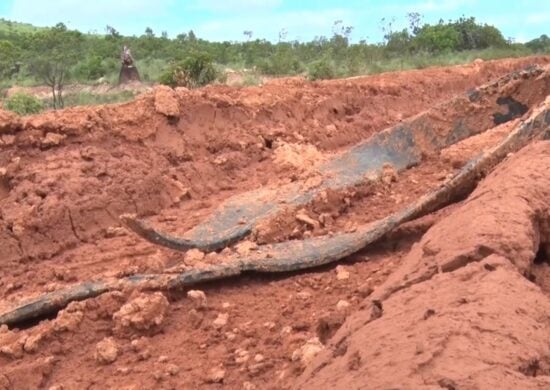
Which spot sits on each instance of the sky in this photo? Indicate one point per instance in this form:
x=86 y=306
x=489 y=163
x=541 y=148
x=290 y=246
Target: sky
x=220 y=20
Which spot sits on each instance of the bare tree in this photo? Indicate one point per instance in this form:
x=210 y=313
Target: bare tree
x=283 y=34
x=415 y=19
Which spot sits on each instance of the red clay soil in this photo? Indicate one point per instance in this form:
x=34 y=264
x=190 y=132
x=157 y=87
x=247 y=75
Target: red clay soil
x=461 y=311
x=65 y=177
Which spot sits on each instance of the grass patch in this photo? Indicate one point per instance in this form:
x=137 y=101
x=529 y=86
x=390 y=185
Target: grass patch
x=423 y=60
x=250 y=80
x=92 y=99
x=151 y=69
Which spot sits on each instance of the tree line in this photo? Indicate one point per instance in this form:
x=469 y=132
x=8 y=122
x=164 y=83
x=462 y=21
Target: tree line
x=56 y=55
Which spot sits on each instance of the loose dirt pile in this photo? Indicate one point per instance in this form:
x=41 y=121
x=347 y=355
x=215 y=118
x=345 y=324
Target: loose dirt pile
x=174 y=156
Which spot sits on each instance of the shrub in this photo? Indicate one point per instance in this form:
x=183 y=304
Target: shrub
x=321 y=70
x=280 y=64
x=23 y=104
x=197 y=70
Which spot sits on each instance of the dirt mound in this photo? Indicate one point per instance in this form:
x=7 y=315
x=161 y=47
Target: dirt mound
x=174 y=156
x=462 y=288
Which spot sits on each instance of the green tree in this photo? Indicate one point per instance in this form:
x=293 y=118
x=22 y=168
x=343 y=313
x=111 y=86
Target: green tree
x=440 y=37
x=399 y=42
x=54 y=51
x=540 y=44
x=477 y=36
x=9 y=56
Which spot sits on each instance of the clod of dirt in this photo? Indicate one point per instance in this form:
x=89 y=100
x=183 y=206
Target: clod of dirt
x=328 y=325
x=198 y=297
x=241 y=356
x=304 y=295
x=243 y=248
x=9 y=344
x=33 y=341
x=216 y=375
x=249 y=386
x=342 y=273
x=172 y=369
x=162 y=359
x=106 y=351
x=221 y=320
x=70 y=318
x=389 y=174
x=302 y=158
x=8 y=121
x=303 y=217
x=143 y=313
x=53 y=139
x=193 y=256
x=141 y=347
x=166 y=102
x=342 y=305
x=308 y=351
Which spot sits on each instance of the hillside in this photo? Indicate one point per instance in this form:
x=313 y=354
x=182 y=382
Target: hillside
x=11 y=27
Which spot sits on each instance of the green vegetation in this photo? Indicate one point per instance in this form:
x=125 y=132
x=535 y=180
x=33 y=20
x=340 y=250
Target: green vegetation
x=56 y=56
x=322 y=69
x=92 y=99
x=250 y=80
x=55 y=52
x=539 y=45
x=23 y=104
x=196 y=70
x=7 y=26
